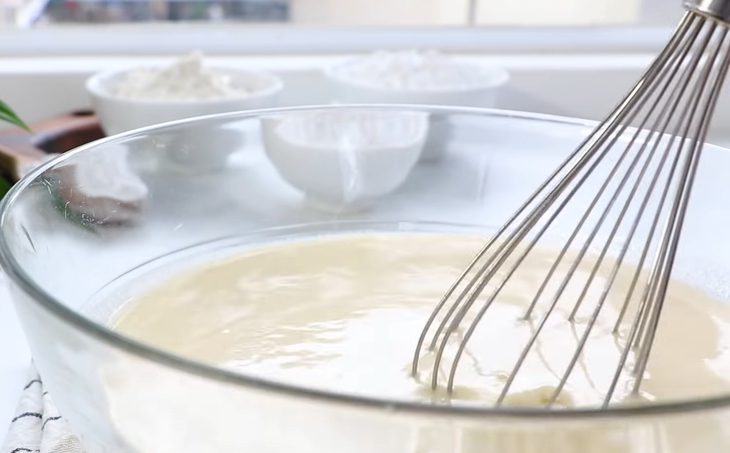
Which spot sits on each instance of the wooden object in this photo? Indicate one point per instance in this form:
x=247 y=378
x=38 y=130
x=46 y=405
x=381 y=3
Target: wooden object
x=99 y=189
x=20 y=149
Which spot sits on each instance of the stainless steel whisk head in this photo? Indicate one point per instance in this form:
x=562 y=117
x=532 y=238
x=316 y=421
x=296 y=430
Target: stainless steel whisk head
x=631 y=180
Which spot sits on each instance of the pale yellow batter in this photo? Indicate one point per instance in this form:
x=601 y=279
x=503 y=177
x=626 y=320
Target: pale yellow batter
x=343 y=313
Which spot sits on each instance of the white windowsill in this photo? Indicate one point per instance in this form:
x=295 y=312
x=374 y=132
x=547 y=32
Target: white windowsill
x=248 y=39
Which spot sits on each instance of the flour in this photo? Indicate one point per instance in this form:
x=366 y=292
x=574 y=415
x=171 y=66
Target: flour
x=185 y=79
x=410 y=70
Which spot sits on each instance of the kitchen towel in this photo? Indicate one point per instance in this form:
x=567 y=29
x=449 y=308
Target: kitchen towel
x=36 y=426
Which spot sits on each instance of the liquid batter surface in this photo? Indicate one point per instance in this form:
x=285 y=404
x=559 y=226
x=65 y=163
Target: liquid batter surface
x=343 y=313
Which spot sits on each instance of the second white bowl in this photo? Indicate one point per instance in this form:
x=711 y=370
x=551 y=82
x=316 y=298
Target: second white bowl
x=346 y=157
x=425 y=78
x=402 y=78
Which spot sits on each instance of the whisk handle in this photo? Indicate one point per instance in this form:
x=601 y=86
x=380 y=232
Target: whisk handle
x=719 y=9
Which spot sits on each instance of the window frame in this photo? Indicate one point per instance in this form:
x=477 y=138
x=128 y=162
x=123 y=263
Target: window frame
x=230 y=39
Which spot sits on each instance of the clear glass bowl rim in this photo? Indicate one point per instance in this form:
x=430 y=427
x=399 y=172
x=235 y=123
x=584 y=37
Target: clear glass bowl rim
x=115 y=340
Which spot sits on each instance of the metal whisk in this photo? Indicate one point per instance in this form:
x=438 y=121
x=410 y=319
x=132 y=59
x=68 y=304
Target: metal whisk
x=631 y=178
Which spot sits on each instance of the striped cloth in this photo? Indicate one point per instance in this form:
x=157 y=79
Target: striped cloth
x=37 y=427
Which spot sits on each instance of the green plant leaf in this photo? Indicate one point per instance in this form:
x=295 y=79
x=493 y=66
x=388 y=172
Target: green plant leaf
x=4 y=187
x=8 y=115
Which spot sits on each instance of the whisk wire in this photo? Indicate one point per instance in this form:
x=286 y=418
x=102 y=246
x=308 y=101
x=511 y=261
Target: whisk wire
x=641 y=308
x=645 y=153
x=644 y=96
x=664 y=118
x=679 y=211
x=648 y=75
x=699 y=89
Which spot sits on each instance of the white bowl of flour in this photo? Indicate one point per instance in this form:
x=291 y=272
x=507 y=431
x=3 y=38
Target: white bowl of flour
x=141 y=96
x=414 y=77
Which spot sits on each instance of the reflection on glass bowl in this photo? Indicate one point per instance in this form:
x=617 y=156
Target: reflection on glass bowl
x=204 y=147
x=102 y=189
x=345 y=157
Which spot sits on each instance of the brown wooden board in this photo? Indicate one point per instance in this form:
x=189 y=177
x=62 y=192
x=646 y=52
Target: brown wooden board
x=20 y=149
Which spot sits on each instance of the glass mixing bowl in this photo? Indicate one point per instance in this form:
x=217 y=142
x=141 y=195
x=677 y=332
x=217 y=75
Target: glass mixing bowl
x=77 y=230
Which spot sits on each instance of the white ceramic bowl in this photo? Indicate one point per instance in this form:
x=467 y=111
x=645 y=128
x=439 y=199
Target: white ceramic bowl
x=482 y=91
x=119 y=114
x=349 y=89
x=345 y=158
